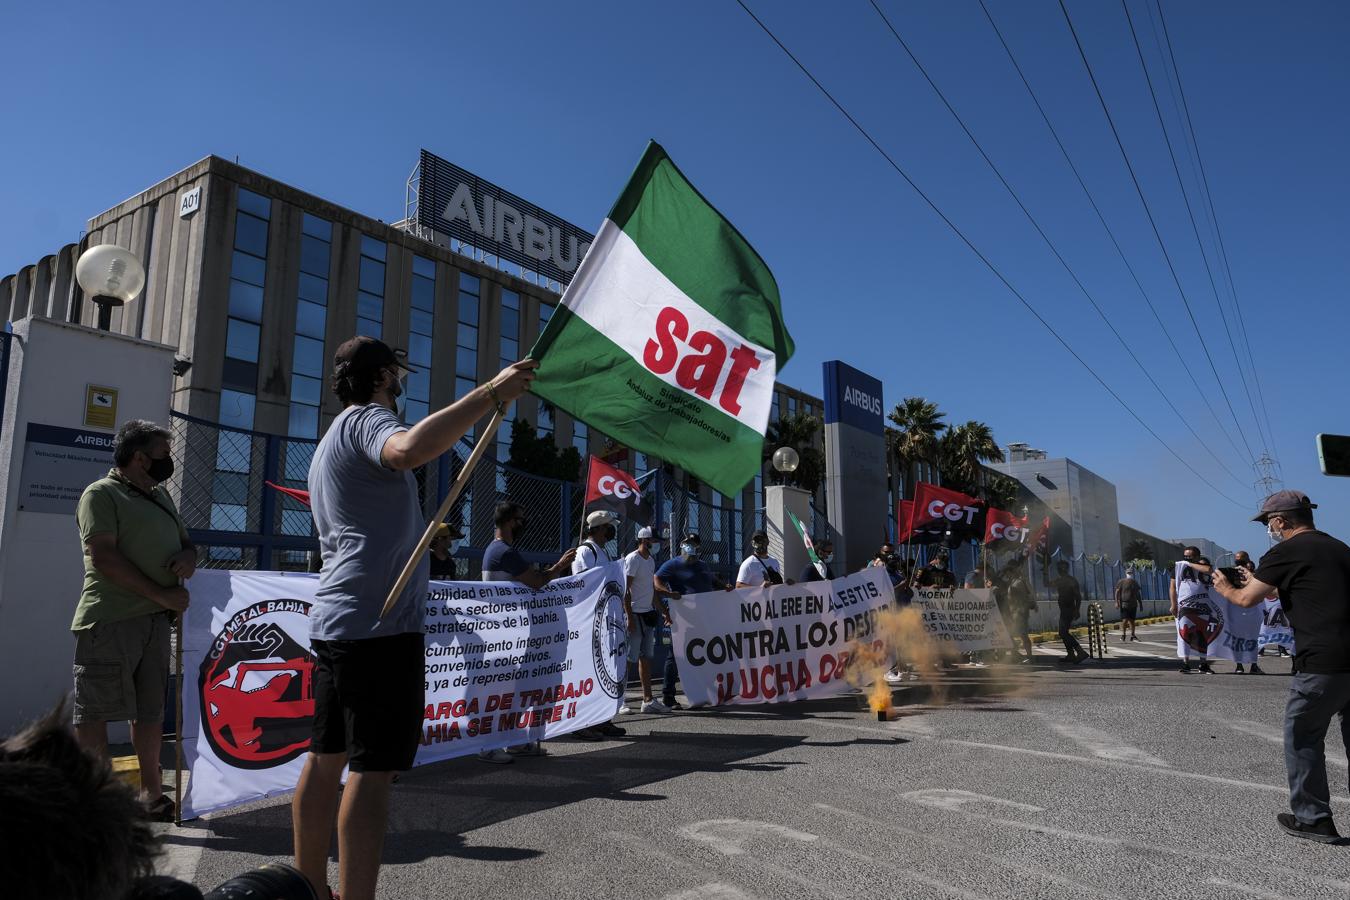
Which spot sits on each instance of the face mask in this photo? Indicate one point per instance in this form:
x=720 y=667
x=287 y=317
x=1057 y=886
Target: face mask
x=688 y=550
x=760 y=549
x=160 y=470
x=940 y=566
x=521 y=526
x=1274 y=533
x=827 y=557
x=654 y=547
x=454 y=546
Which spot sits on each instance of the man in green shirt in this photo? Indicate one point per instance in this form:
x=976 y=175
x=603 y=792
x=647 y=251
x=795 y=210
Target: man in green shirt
x=136 y=552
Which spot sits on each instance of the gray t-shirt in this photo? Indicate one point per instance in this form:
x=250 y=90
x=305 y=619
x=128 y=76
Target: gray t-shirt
x=369 y=521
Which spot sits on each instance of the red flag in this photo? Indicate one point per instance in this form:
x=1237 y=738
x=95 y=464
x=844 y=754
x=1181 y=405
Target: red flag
x=948 y=513
x=617 y=491
x=296 y=493
x=1003 y=530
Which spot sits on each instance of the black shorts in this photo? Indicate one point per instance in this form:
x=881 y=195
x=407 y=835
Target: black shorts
x=368 y=701
x=1128 y=610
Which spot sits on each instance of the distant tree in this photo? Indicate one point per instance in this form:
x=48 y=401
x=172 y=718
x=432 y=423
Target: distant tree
x=541 y=455
x=1001 y=492
x=913 y=440
x=1139 y=550
x=800 y=432
x=962 y=452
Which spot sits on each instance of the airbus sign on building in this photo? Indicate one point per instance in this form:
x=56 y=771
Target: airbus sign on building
x=457 y=203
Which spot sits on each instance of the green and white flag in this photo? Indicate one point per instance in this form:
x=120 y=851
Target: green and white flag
x=671 y=334
x=810 y=547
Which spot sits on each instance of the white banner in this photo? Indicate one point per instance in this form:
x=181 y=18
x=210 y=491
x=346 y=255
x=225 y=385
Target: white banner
x=775 y=644
x=1208 y=625
x=963 y=619
x=504 y=665
x=1275 y=628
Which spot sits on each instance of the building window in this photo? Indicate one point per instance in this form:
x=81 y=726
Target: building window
x=370 y=288
x=466 y=336
x=311 y=319
x=243 y=325
x=510 y=340
x=545 y=423
x=581 y=438
x=422 y=313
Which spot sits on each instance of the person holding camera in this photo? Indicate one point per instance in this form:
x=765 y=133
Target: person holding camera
x=136 y=555
x=1311 y=571
x=759 y=567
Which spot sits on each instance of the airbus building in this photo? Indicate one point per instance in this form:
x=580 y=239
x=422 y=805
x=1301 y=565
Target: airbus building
x=256 y=283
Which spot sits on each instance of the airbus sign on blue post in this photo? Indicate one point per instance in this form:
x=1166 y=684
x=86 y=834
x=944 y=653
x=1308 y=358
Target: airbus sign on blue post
x=855 y=463
x=852 y=397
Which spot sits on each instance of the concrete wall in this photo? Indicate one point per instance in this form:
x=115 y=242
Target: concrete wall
x=41 y=560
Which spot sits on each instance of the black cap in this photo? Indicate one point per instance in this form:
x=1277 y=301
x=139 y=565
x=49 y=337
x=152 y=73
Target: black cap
x=692 y=536
x=365 y=352
x=1283 y=501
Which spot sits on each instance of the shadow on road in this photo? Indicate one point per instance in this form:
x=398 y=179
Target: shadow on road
x=431 y=807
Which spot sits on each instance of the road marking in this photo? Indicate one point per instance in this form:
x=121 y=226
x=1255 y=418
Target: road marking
x=1246 y=889
x=180 y=860
x=1126 y=651
x=1271 y=733
x=998 y=860
x=952 y=799
x=728 y=836
x=717 y=890
x=1104 y=745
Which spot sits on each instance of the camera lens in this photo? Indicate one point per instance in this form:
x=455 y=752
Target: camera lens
x=273 y=881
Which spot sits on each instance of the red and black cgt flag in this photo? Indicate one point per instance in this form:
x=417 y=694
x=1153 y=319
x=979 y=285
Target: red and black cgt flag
x=617 y=491
x=941 y=514
x=1040 y=544
x=1004 y=531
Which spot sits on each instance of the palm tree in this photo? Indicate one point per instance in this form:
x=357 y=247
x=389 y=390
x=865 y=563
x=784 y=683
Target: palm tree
x=800 y=432
x=914 y=439
x=1000 y=491
x=1139 y=553
x=961 y=452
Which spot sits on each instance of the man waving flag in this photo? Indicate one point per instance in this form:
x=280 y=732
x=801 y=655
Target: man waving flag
x=671 y=333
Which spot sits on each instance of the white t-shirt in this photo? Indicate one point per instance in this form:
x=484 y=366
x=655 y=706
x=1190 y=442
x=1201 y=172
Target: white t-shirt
x=589 y=555
x=641 y=569
x=752 y=570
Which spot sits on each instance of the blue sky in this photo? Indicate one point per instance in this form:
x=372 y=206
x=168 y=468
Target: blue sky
x=555 y=102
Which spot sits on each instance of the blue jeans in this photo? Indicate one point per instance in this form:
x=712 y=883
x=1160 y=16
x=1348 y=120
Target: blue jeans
x=1313 y=701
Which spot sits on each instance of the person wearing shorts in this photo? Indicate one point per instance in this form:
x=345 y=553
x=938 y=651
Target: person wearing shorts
x=1128 y=596
x=136 y=552
x=644 y=620
x=369 y=678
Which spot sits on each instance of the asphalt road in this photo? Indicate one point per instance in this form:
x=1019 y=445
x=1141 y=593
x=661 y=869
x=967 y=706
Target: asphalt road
x=1119 y=778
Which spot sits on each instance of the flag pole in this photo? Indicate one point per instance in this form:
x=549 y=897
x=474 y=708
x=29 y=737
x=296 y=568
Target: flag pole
x=178 y=722
x=489 y=434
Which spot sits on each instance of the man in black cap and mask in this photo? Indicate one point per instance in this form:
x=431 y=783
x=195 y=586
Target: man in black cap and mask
x=1311 y=571
x=136 y=553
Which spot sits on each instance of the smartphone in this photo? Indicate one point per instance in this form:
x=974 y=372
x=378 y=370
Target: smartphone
x=1333 y=452
x=1236 y=576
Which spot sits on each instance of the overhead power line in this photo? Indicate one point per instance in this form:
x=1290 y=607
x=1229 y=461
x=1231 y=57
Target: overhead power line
x=1046 y=238
x=1190 y=214
x=1218 y=232
x=1148 y=211
x=973 y=249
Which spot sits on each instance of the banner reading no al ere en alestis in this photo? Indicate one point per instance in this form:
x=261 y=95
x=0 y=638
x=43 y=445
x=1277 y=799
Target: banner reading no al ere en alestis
x=504 y=665
x=671 y=334
x=962 y=619
x=1275 y=628
x=1208 y=625
x=776 y=643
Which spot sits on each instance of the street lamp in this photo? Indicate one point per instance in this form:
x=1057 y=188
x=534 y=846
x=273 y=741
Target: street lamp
x=110 y=275
x=786 y=460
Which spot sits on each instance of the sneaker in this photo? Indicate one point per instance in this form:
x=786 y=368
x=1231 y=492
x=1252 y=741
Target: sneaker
x=161 y=809
x=533 y=748
x=1186 y=669
x=609 y=729
x=1206 y=670
x=672 y=705
x=1323 y=830
x=499 y=757
x=1256 y=670
x=625 y=710
x=1133 y=638
x=655 y=706
x=894 y=677
x=1239 y=670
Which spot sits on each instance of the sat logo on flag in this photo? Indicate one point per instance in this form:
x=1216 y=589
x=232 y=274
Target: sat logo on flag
x=257 y=686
